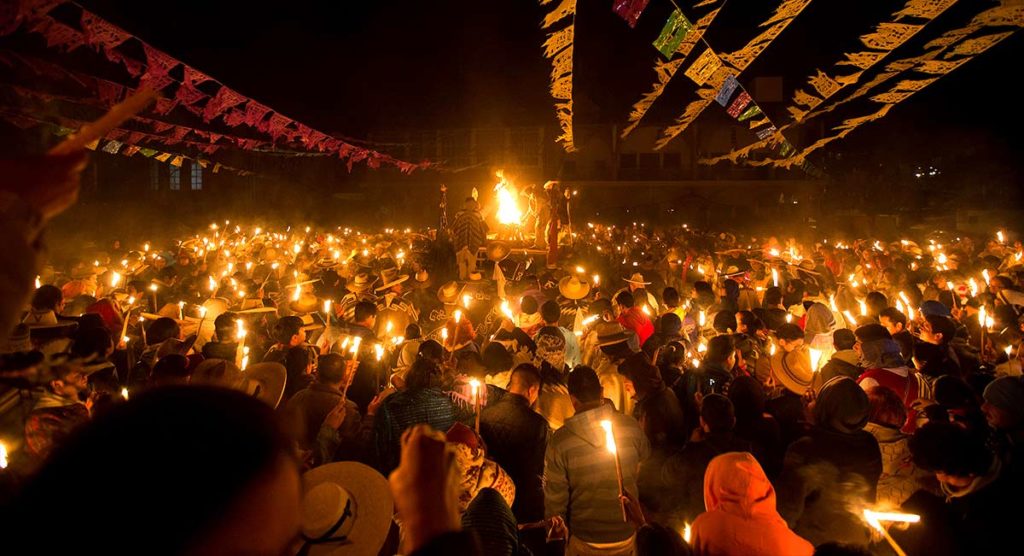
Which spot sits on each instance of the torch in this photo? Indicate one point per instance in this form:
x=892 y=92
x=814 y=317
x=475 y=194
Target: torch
x=609 y=442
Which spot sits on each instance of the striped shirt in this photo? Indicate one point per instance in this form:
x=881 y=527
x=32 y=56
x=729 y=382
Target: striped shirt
x=579 y=474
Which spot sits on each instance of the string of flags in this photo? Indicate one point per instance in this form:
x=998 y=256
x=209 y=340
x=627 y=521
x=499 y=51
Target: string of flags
x=559 y=49
x=941 y=56
x=195 y=92
x=113 y=146
x=666 y=70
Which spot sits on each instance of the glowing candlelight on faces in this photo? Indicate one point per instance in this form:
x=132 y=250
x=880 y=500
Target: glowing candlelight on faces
x=124 y=394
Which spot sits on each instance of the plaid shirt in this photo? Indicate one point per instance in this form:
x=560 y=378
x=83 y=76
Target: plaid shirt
x=403 y=410
x=468 y=230
x=46 y=428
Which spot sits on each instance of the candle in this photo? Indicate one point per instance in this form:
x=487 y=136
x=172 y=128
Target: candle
x=153 y=288
x=142 y=328
x=3 y=456
x=645 y=310
x=850 y=320
x=609 y=443
x=596 y=279
x=474 y=384
x=379 y=349
x=181 y=310
x=775 y=277
x=702 y=318
x=124 y=393
x=875 y=520
x=327 y=316
x=39 y=283
x=832 y=303
x=789 y=317
x=202 y=319
x=115 y=279
x=355 y=347
x=815 y=358
x=245 y=358
x=687 y=533
x=466 y=300
x=240 y=334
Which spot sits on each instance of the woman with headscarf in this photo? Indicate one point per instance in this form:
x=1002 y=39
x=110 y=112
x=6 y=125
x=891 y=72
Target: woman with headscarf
x=741 y=517
x=829 y=475
x=756 y=426
x=553 y=402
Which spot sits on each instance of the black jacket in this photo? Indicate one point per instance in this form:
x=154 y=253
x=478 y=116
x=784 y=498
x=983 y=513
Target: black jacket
x=516 y=438
x=683 y=473
x=838 y=367
x=661 y=418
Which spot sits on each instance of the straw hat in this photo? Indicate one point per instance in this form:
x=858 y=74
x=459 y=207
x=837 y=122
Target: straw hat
x=307 y=303
x=572 y=288
x=346 y=510
x=360 y=283
x=450 y=293
x=637 y=278
x=216 y=307
x=263 y=381
x=610 y=333
x=498 y=250
x=793 y=370
x=475 y=276
x=422 y=279
x=391 y=277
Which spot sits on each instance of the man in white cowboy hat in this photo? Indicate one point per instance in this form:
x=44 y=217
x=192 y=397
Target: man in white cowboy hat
x=636 y=285
x=347 y=509
x=360 y=288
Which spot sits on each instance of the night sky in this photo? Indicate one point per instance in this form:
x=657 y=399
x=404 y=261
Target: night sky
x=356 y=67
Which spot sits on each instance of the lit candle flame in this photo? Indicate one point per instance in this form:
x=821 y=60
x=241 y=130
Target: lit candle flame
x=39 y=283
x=202 y=312
x=702 y=318
x=775 y=277
x=981 y=316
x=124 y=394
x=355 y=345
x=245 y=357
x=645 y=310
x=458 y=315
x=1000 y=237
x=240 y=331
x=1008 y=350
x=3 y=456
x=596 y=279
x=609 y=438
x=474 y=386
x=444 y=334
x=298 y=292
x=466 y=300
x=789 y=317
x=115 y=279
x=327 y=307
x=815 y=358
x=379 y=349
x=863 y=308
x=687 y=534
x=579 y=270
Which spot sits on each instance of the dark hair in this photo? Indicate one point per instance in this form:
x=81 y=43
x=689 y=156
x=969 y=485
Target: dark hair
x=92 y=341
x=528 y=305
x=430 y=349
x=719 y=349
x=948 y=448
x=550 y=311
x=412 y=332
x=161 y=330
x=893 y=314
x=724 y=322
x=887 y=408
x=944 y=326
x=422 y=374
x=296 y=361
x=171 y=368
x=524 y=376
x=625 y=299
x=496 y=358
x=746 y=317
x=469 y=362
x=669 y=324
x=192 y=447
x=844 y=338
x=717 y=412
x=330 y=368
x=772 y=296
x=670 y=296
x=599 y=306
x=224 y=326
x=365 y=310
x=872 y=332
x=876 y=302
x=584 y=385
x=47 y=297
x=789 y=332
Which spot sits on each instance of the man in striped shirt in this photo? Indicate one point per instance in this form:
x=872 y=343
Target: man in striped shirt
x=469 y=233
x=580 y=484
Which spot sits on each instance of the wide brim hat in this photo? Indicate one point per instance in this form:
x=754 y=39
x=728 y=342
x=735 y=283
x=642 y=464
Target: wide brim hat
x=271 y=378
x=426 y=281
x=498 y=250
x=450 y=293
x=390 y=277
x=360 y=283
x=793 y=370
x=571 y=287
x=637 y=278
x=610 y=333
x=263 y=381
x=327 y=490
x=307 y=303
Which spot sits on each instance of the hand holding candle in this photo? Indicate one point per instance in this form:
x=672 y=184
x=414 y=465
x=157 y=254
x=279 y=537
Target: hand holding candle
x=609 y=442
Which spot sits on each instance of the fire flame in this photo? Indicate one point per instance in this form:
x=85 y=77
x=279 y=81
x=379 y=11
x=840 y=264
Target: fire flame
x=508 y=210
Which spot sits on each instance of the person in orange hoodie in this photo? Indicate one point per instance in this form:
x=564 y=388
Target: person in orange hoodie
x=741 y=516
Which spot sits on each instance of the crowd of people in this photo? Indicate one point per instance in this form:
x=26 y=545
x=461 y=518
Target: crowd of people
x=626 y=391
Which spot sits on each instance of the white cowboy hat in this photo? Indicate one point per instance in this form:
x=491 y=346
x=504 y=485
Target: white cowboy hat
x=360 y=283
x=346 y=510
x=637 y=278
x=263 y=381
x=391 y=277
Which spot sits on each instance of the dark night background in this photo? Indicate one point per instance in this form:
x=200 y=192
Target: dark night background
x=352 y=67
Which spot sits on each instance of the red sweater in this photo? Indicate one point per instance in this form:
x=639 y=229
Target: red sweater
x=904 y=386
x=634 y=319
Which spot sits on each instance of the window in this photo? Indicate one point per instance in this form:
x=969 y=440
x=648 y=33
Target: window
x=197 y=177
x=154 y=176
x=175 y=178
x=627 y=160
x=649 y=161
x=671 y=160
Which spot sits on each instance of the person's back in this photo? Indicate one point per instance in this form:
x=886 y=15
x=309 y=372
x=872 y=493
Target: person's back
x=579 y=472
x=741 y=516
x=517 y=438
